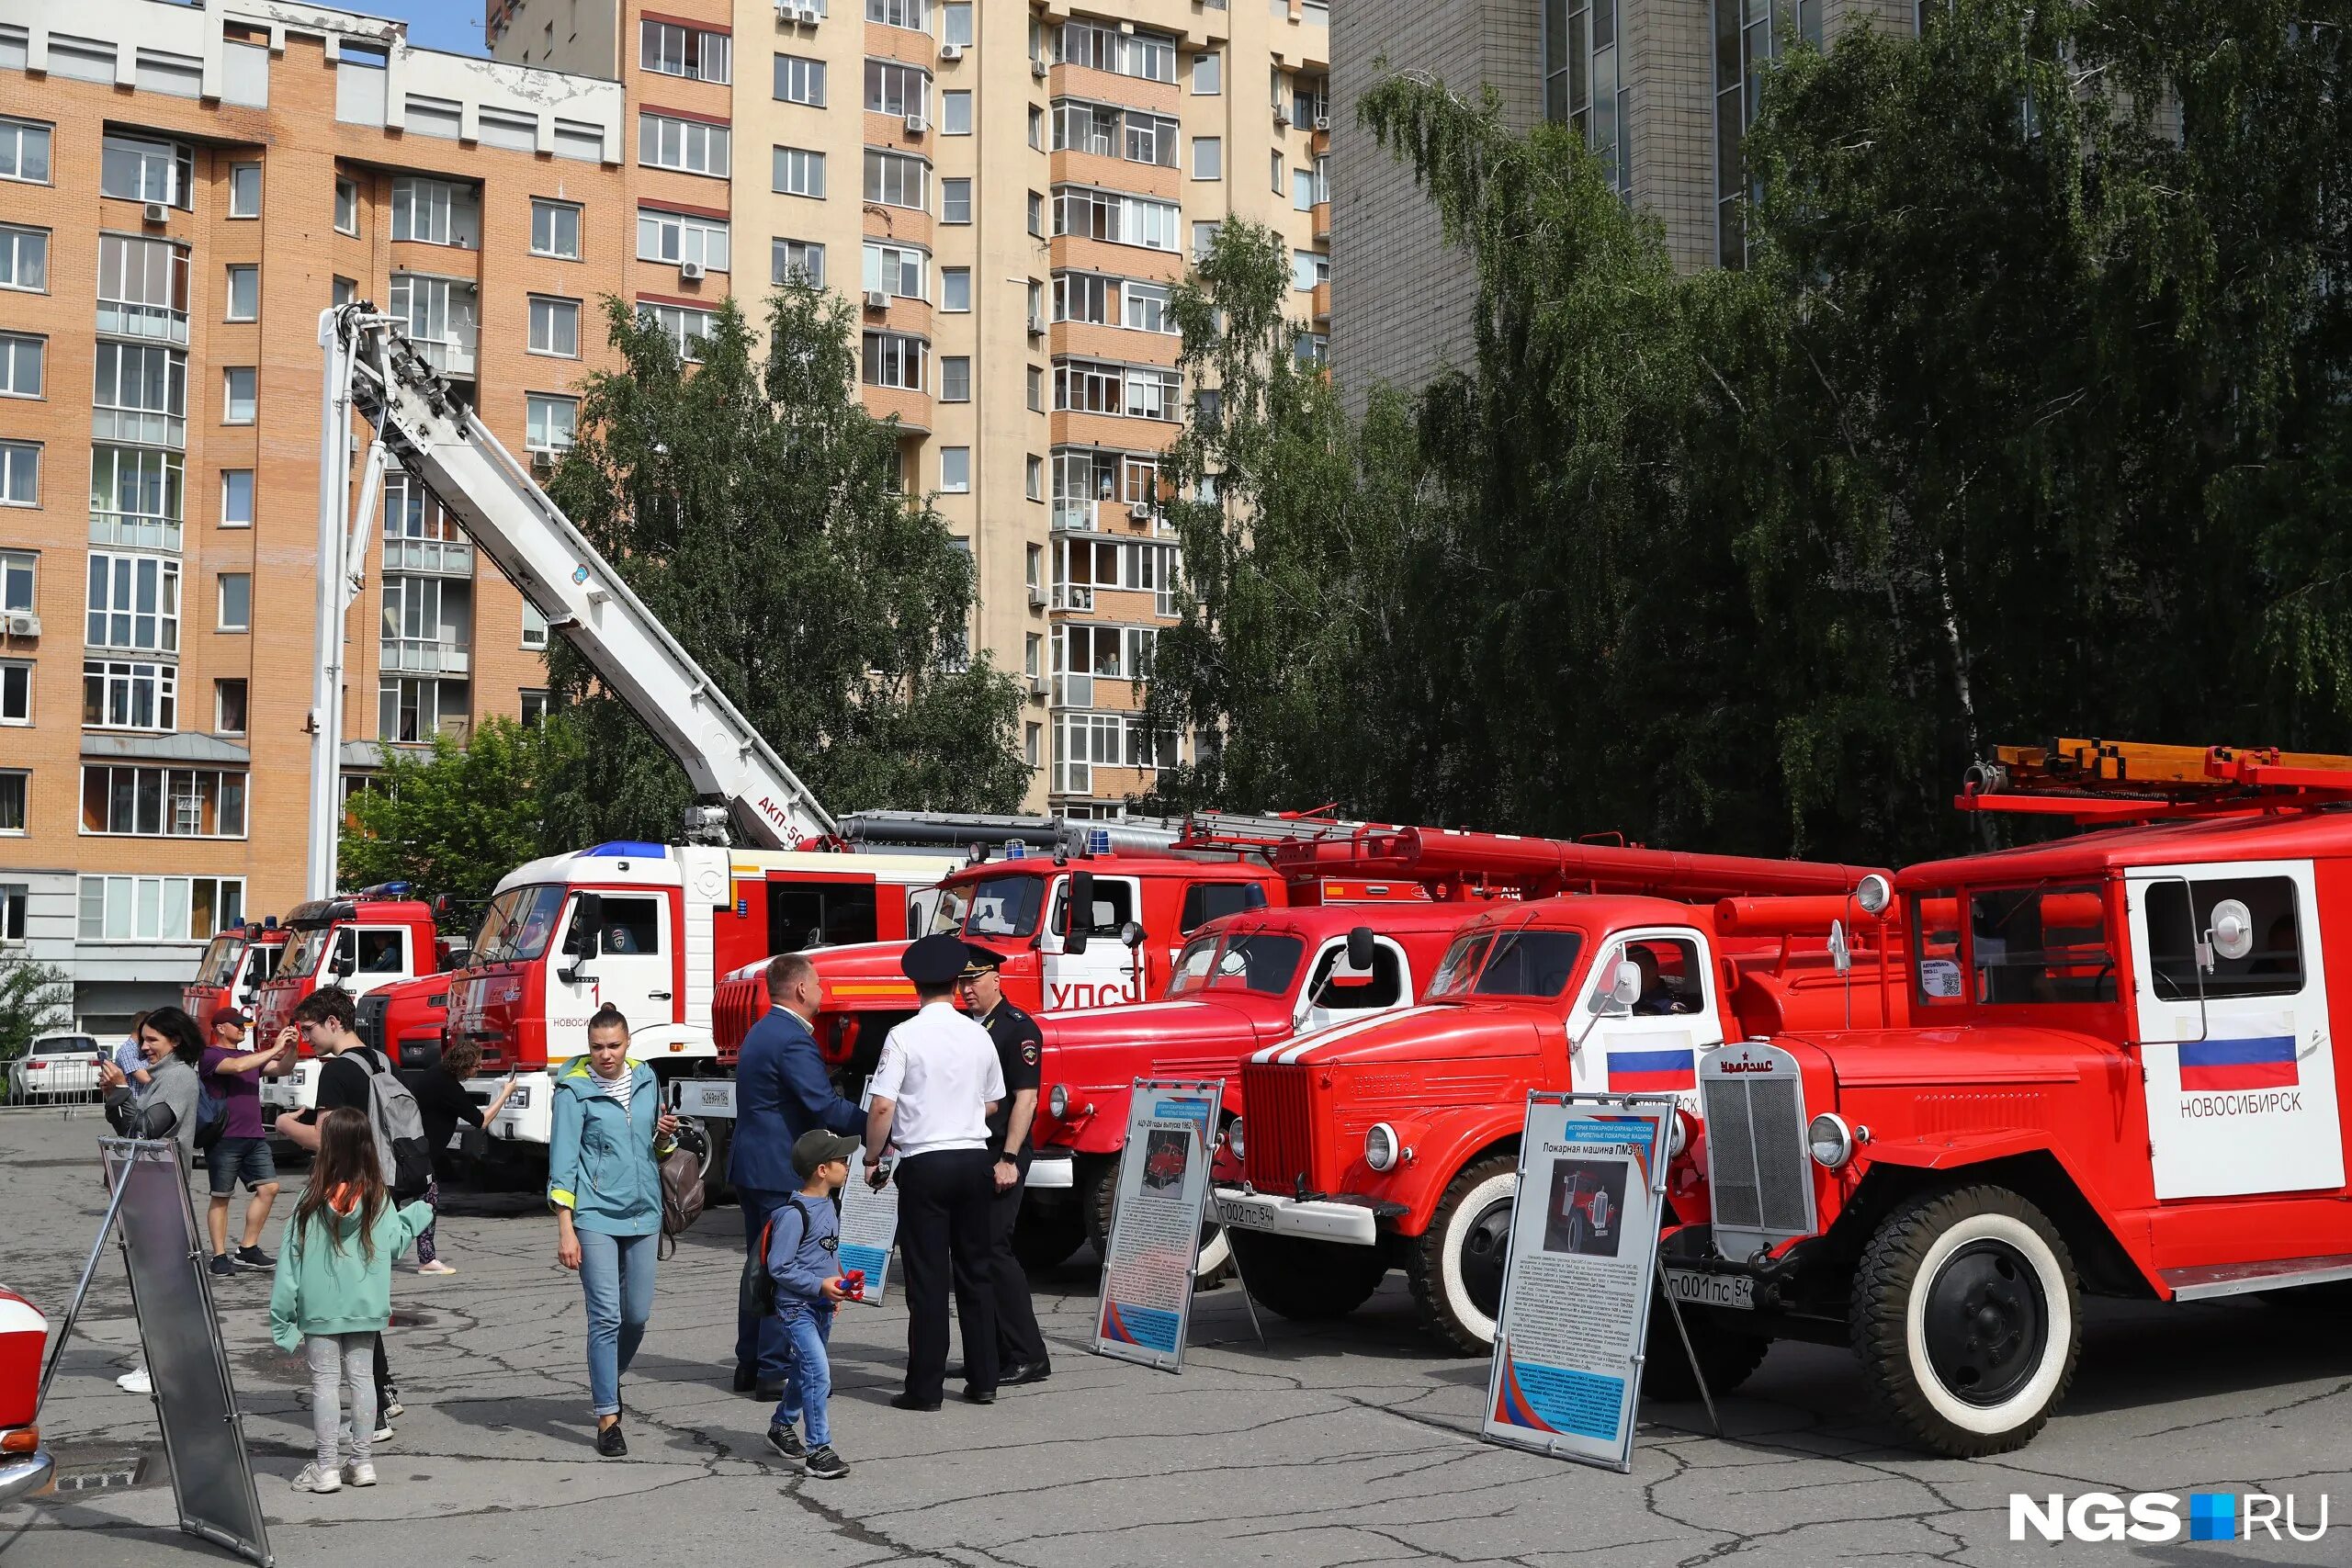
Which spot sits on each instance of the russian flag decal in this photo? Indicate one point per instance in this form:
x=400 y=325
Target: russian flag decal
x=1637 y=1071
x=2265 y=1062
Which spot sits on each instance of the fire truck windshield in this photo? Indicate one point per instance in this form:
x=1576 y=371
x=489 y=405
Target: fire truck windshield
x=1508 y=964
x=992 y=905
x=516 y=926
x=219 y=961
x=302 y=950
x=1263 y=962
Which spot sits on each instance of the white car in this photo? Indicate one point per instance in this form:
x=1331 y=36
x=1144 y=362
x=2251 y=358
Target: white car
x=59 y=1066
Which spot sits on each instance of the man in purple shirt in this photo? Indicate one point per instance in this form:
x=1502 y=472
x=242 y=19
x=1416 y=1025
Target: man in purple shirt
x=233 y=1075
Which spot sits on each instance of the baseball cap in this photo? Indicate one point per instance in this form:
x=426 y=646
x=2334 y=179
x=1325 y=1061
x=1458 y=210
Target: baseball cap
x=816 y=1147
x=221 y=1015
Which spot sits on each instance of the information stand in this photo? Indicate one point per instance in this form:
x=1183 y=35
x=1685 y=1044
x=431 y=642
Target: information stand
x=1569 y=1340
x=869 y=1227
x=1164 y=1183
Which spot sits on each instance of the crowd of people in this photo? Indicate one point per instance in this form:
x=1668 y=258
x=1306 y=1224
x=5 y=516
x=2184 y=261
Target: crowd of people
x=946 y=1117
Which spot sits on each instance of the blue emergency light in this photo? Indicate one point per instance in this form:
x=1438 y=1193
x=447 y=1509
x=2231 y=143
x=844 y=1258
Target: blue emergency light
x=1015 y=849
x=1098 y=842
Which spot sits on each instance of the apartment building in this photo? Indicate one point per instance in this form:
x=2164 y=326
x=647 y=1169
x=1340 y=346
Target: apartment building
x=1006 y=194
x=1662 y=89
x=183 y=188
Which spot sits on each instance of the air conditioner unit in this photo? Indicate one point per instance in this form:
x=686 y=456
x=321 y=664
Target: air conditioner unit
x=1322 y=122
x=1140 y=511
x=1281 y=115
x=915 y=126
x=1036 y=327
x=691 y=271
x=876 y=300
x=951 y=51
x=23 y=623
x=1037 y=69
x=1127 y=27
x=156 y=213
x=543 y=463
x=1036 y=595
x=1036 y=686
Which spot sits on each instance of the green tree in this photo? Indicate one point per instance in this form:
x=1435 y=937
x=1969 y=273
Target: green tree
x=34 y=1000
x=755 y=507
x=454 y=819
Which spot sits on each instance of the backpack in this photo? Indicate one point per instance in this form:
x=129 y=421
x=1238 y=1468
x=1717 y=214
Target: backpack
x=211 y=1117
x=401 y=1148
x=681 y=1188
x=757 y=1297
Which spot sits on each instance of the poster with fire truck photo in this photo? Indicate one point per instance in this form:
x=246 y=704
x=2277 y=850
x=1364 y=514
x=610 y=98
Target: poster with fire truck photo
x=869 y=1227
x=1156 y=1223
x=1575 y=1309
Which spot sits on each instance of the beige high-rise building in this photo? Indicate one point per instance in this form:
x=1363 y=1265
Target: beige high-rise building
x=1006 y=193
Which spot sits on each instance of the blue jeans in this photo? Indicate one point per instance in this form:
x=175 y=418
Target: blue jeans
x=811 y=1384
x=760 y=1342
x=617 y=1271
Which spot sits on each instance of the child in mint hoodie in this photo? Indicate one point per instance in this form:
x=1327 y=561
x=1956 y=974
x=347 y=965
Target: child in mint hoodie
x=334 y=1294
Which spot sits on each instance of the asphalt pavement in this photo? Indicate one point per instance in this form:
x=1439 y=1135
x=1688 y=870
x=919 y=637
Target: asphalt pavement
x=1340 y=1444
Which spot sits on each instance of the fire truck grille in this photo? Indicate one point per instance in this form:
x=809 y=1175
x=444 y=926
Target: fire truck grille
x=1278 y=1126
x=370 y=1022
x=1761 y=1185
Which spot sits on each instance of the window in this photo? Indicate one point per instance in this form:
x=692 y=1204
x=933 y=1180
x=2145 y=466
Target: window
x=956 y=113
x=799 y=172
x=955 y=22
x=244 y=294
x=1035 y=480
x=142 y=288
x=1037 y=127
x=1121 y=219
x=955 y=469
x=237 y=395
x=16 y=568
x=533 y=705
x=346 y=205
x=1102 y=47
x=160 y=908
x=19 y=473
x=135 y=170
x=236 y=498
x=1088 y=389
x=134 y=603
x=1208 y=158
x=800 y=81
x=555 y=327
x=786 y=257
x=13 y=790
x=954 y=379
x=669 y=50
x=911 y=14
x=1323 y=177
x=1145 y=307
x=245 y=191
x=2041 y=944
x=896 y=89
x=15 y=691
x=1311 y=351
x=535 y=626
x=1036 y=215
x=1302 y=189
x=435 y=212
x=229 y=706
x=24 y=258
x=127 y=695
x=1308 y=268
x=1082 y=297
x=898 y=179
x=236 y=602
x=1036 y=389
x=1208 y=79
x=894 y=359
x=179 y=803
x=676 y=237
x=547 y=422
x=344 y=292
x=683 y=326
x=13 y=896
x=690 y=146
x=555 y=229
x=896 y=270
x=1030 y=743
x=1150 y=139
x=1275 y=165
x=1086 y=128
x=23 y=150
x=955 y=288
x=955 y=201
x=411 y=710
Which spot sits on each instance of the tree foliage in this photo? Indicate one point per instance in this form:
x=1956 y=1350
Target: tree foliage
x=755 y=506
x=35 y=998
x=453 y=820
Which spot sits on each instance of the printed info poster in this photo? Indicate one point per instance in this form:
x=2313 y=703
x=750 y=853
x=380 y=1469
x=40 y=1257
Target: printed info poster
x=1577 y=1294
x=1156 y=1228
x=869 y=1226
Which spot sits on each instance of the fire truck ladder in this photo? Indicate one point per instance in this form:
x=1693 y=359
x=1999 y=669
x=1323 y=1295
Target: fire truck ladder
x=1455 y=863
x=2122 y=781
x=372 y=370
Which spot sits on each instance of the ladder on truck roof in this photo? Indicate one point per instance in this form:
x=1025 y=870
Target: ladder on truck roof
x=372 y=370
x=2124 y=781
x=1466 y=863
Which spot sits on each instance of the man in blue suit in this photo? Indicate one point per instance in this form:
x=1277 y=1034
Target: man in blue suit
x=781 y=1091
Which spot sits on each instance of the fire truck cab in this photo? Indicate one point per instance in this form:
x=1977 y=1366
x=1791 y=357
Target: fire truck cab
x=377 y=937
x=2119 y=1077
x=234 y=964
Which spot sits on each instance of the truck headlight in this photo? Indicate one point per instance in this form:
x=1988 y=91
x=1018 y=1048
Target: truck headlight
x=1829 y=1141
x=1057 y=1101
x=1380 y=1146
x=1233 y=1138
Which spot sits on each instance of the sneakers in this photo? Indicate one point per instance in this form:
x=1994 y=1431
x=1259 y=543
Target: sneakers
x=361 y=1473
x=825 y=1464
x=383 y=1431
x=313 y=1479
x=135 y=1380
x=253 y=1258
x=435 y=1267
x=221 y=1267
x=610 y=1443
x=785 y=1441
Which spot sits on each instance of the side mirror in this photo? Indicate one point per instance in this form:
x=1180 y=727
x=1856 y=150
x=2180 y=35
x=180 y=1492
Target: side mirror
x=344 y=960
x=1132 y=933
x=1361 y=949
x=1082 y=911
x=1624 y=988
x=587 y=918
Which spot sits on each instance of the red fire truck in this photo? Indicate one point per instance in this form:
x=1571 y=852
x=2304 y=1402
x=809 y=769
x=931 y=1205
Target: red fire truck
x=378 y=936
x=2119 y=1079
x=234 y=964
x=1395 y=1143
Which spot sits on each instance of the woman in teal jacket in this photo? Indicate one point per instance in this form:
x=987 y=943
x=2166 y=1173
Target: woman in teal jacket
x=605 y=1184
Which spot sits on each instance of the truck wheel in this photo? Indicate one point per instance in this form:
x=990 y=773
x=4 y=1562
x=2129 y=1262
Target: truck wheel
x=1727 y=1357
x=1456 y=1266
x=1307 y=1280
x=1966 y=1318
x=1043 y=1237
x=1098 y=1187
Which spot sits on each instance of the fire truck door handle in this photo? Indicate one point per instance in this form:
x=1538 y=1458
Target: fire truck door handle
x=658 y=995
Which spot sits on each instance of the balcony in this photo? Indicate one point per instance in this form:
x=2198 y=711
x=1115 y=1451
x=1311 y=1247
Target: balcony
x=416 y=656
x=1073 y=691
x=429 y=558
x=453 y=357
x=1076 y=516
x=134 y=318
x=1320 y=214
x=1073 y=597
x=1323 y=303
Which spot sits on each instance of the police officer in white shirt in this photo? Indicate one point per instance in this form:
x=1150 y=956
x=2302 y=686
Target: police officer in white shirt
x=931 y=1094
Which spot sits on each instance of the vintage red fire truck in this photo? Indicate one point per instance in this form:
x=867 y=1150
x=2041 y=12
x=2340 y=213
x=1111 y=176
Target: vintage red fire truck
x=1395 y=1143
x=234 y=964
x=2119 y=1079
x=378 y=936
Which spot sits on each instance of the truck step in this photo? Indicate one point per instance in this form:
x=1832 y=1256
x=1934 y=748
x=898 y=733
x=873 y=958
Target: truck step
x=2242 y=1279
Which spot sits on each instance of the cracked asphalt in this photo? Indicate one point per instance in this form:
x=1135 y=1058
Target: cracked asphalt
x=1342 y=1444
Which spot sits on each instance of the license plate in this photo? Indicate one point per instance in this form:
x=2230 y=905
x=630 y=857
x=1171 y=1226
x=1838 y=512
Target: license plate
x=1244 y=1216
x=1703 y=1289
